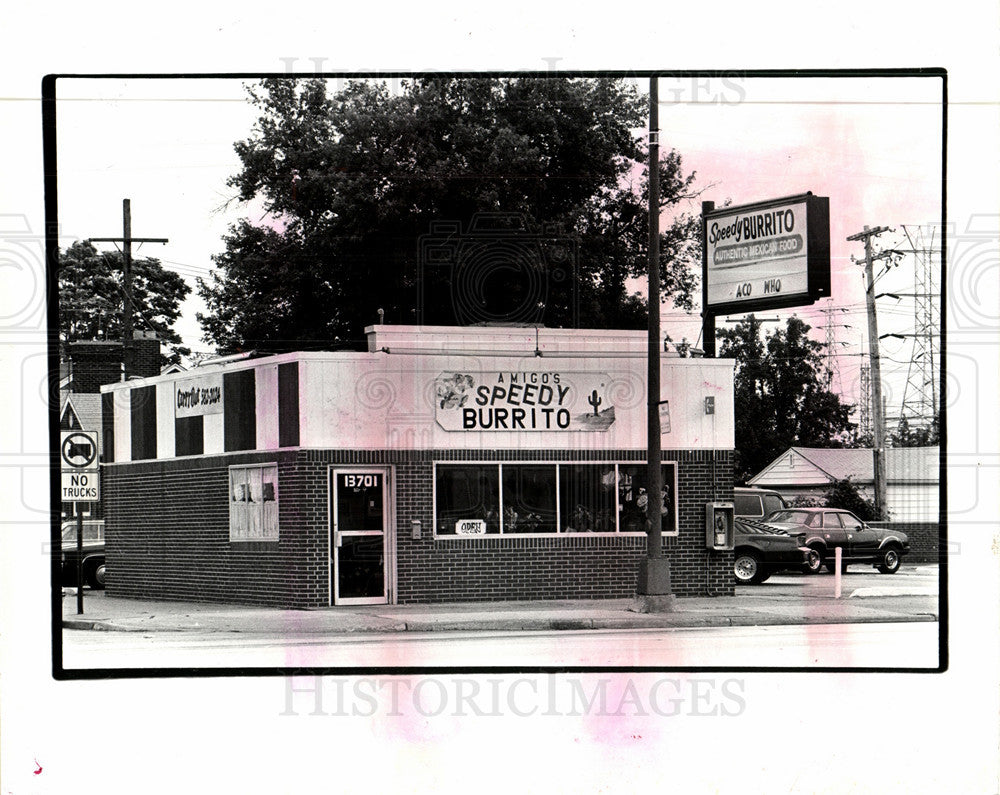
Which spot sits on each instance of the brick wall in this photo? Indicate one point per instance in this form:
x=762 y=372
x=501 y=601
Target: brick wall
x=146 y=357
x=168 y=535
x=924 y=540
x=94 y=364
x=167 y=530
x=97 y=362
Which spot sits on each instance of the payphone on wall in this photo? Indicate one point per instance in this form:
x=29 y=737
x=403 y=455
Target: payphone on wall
x=719 y=525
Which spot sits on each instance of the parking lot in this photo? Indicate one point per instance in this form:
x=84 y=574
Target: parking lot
x=859 y=581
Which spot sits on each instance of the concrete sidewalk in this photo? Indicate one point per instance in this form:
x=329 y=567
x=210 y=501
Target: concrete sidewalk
x=756 y=608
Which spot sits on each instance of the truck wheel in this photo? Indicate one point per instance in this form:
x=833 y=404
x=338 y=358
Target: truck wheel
x=890 y=561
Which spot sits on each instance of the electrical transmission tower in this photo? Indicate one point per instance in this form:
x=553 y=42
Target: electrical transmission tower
x=865 y=424
x=833 y=379
x=920 y=396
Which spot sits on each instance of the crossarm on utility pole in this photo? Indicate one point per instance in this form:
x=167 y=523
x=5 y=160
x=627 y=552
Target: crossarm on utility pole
x=127 y=240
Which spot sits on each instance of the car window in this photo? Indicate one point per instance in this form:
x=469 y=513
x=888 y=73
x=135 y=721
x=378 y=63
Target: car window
x=813 y=520
x=772 y=502
x=850 y=520
x=91 y=532
x=832 y=520
x=747 y=505
x=796 y=517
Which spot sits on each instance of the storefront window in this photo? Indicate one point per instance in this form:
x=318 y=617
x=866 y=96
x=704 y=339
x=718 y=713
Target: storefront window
x=633 y=498
x=253 y=503
x=587 y=498
x=467 y=499
x=548 y=498
x=529 y=499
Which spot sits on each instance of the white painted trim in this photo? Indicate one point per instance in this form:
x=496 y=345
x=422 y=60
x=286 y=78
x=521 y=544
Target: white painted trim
x=388 y=533
x=214 y=439
x=166 y=441
x=121 y=407
x=266 y=406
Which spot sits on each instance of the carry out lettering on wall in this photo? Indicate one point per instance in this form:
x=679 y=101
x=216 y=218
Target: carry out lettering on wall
x=195 y=397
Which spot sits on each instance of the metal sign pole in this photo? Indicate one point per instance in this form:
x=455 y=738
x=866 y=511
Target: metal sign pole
x=79 y=558
x=707 y=316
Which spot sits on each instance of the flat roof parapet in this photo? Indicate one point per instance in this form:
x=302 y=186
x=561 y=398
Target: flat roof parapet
x=516 y=340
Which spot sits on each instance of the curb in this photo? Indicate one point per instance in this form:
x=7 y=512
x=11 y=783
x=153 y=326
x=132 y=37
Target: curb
x=527 y=625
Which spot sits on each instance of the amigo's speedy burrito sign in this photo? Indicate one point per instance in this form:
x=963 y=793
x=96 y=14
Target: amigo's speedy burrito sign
x=523 y=401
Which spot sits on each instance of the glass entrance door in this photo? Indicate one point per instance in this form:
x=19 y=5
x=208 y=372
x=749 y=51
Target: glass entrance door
x=358 y=514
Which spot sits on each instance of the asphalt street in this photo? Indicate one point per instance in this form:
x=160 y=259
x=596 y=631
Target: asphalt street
x=907 y=645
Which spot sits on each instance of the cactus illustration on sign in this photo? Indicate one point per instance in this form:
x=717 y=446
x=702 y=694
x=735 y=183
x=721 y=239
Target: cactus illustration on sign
x=594 y=401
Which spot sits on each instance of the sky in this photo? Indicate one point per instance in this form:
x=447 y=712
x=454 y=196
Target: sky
x=872 y=145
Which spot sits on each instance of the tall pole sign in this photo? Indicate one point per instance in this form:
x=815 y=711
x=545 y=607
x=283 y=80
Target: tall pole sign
x=707 y=316
x=766 y=255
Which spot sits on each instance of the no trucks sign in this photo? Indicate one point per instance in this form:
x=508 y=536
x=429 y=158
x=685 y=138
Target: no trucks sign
x=81 y=479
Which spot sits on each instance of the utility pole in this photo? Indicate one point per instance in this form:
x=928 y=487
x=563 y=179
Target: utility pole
x=653 y=587
x=127 y=240
x=878 y=410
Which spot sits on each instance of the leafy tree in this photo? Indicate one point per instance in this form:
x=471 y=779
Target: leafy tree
x=926 y=436
x=781 y=395
x=846 y=495
x=354 y=179
x=92 y=297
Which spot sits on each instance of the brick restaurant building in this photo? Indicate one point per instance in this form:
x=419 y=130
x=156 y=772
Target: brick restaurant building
x=443 y=464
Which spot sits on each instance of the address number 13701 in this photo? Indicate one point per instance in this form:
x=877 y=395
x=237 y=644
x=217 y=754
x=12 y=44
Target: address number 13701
x=361 y=481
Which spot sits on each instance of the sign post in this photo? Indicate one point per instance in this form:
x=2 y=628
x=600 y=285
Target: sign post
x=79 y=559
x=81 y=482
x=707 y=315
